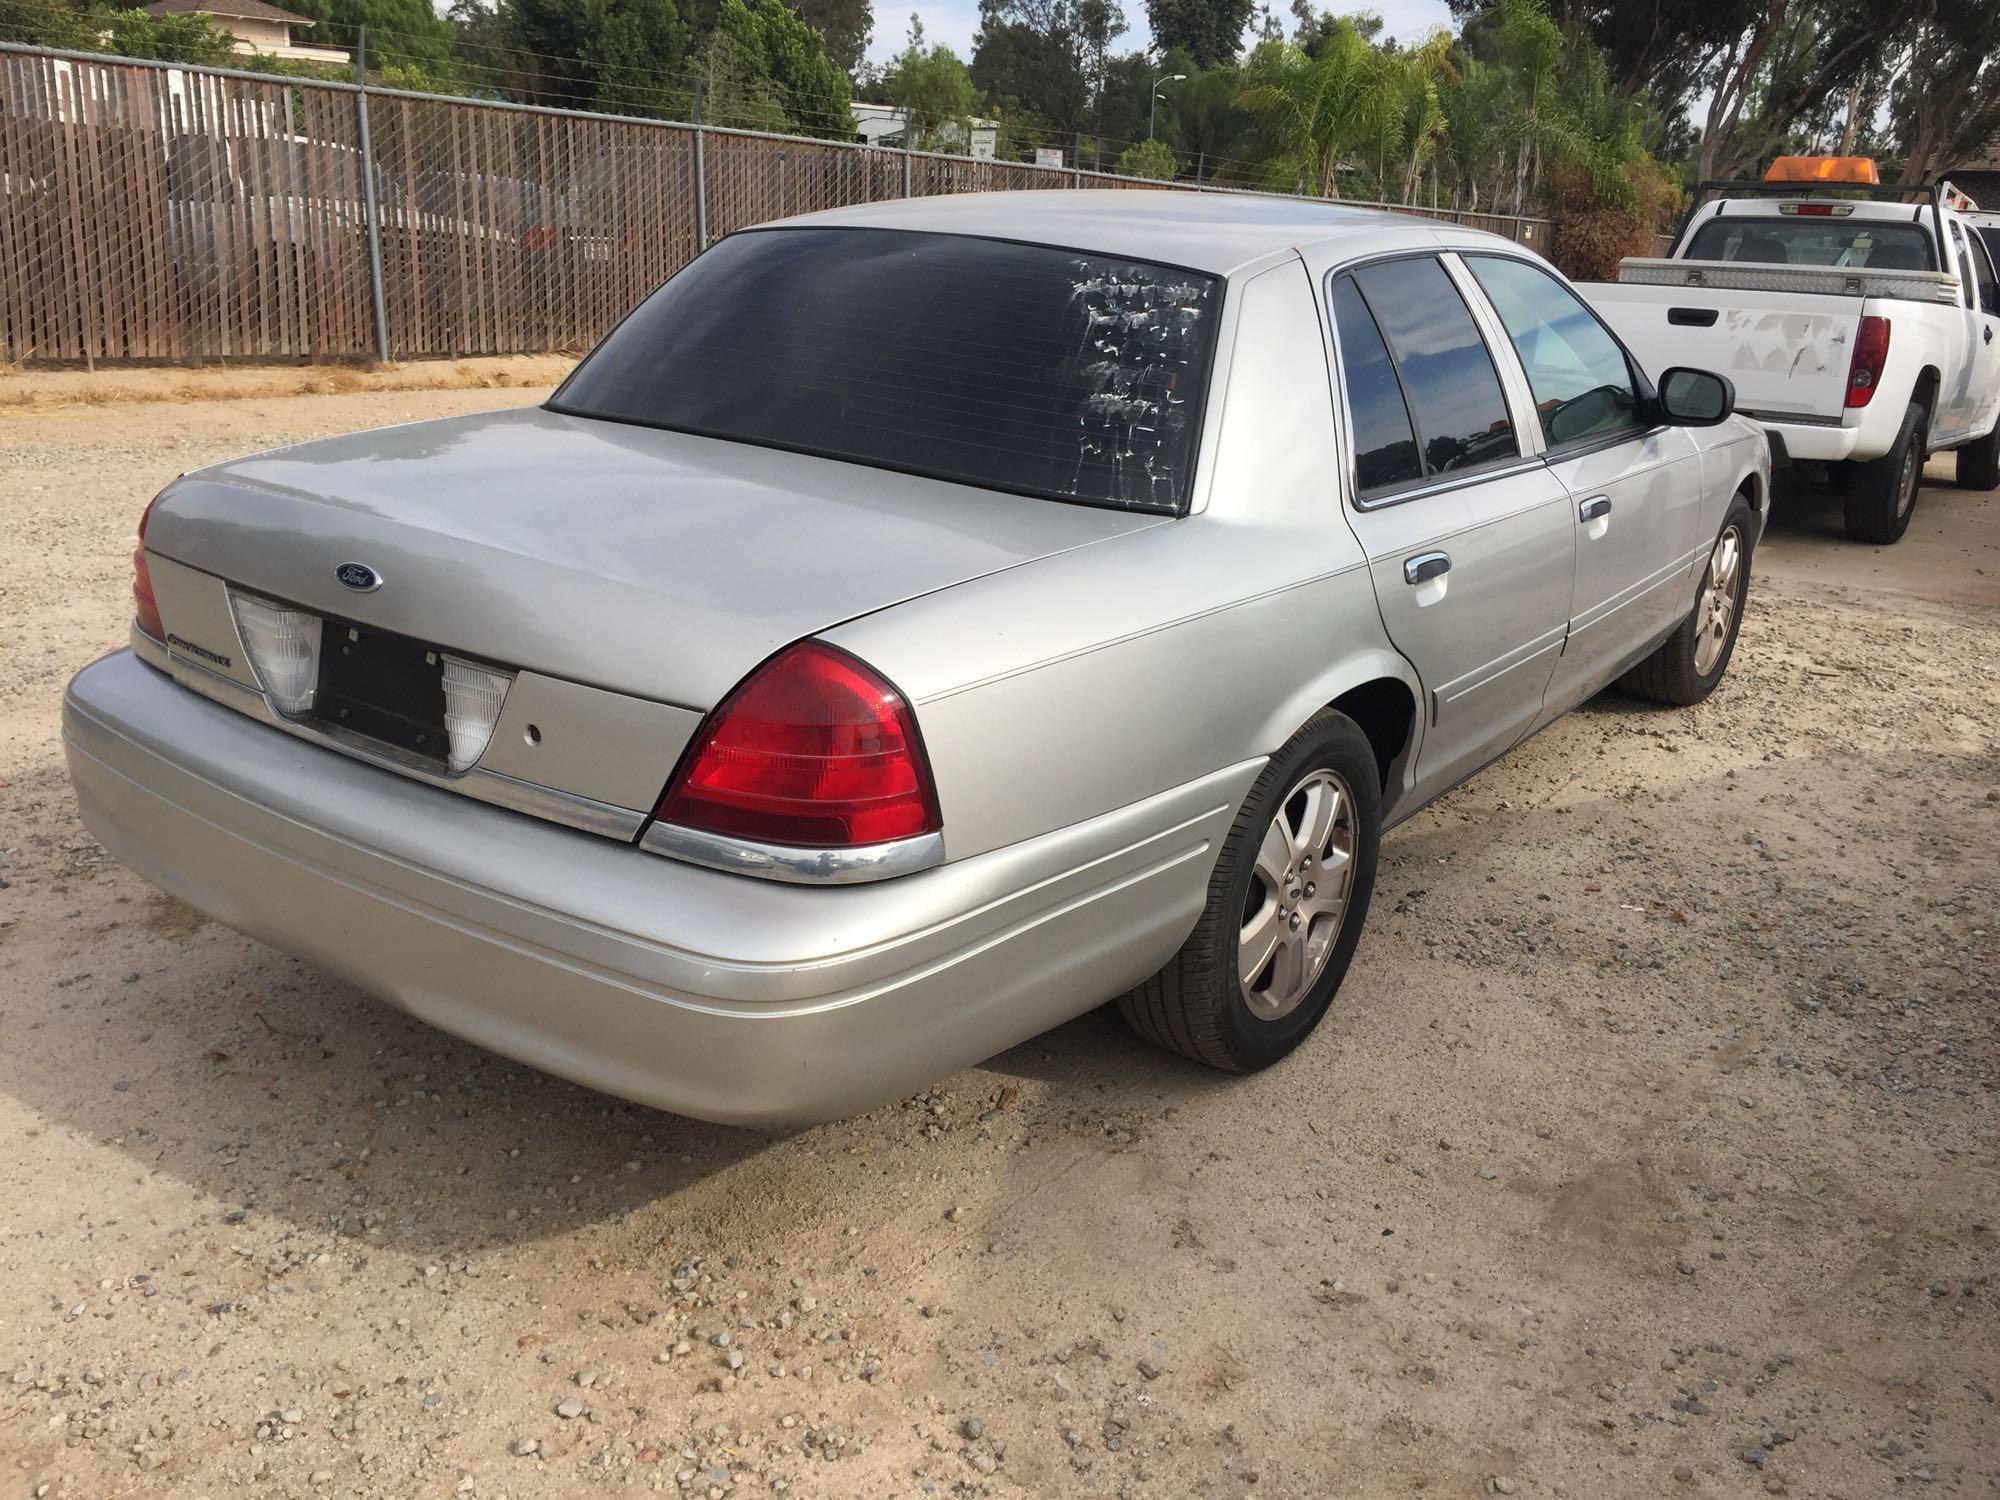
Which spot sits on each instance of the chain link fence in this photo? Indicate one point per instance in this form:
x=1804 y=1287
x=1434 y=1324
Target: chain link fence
x=160 y=212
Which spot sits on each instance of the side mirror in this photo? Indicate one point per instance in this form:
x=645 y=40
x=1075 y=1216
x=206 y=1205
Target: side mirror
x=1695 y=398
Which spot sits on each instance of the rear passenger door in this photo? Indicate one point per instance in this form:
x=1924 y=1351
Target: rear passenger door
x=1984 y=292
x=1468 y=537
x=1636 y=487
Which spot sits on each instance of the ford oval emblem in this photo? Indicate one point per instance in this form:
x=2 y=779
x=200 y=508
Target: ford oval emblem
x=359 y=577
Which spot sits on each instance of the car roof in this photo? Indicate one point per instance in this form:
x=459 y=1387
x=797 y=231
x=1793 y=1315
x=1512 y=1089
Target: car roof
x=1214 y=231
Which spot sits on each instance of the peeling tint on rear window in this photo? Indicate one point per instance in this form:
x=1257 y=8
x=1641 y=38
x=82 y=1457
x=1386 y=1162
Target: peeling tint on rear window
x=1015 y=367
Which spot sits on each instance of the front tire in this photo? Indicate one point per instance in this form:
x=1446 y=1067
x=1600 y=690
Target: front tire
x=1882 y=493
x=1979 y=463
x=1286 y=903
x=1691 y=661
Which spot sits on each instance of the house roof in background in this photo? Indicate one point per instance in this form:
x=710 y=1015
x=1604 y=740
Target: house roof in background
x=228 y=10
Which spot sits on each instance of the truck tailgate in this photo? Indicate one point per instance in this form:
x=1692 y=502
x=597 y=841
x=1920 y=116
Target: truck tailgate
x=1788 y=352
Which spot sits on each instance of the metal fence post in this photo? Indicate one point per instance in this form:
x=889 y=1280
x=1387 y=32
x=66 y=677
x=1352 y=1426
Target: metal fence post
x=906 y=155
x=1076 y=158
x=368 y=203
x=700 y=176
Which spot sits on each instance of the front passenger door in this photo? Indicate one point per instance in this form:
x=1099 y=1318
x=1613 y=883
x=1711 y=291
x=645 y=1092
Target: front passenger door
x=1635 y=490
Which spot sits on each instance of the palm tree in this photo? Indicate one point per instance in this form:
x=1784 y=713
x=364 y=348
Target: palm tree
x=1424 y=72
x=1472 y=103
x=1320 y=108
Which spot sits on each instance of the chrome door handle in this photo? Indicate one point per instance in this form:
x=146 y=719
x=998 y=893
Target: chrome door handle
x=1425 y=566
x=1595 y=506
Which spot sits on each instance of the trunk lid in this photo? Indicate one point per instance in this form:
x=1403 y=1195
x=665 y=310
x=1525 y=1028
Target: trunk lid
x=650 y=563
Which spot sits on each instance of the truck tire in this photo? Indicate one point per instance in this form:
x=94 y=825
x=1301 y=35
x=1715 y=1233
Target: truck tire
x=1979 y=463
x=1882 y=492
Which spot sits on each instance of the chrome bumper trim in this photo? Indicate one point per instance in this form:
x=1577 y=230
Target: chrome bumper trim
x=798 y=866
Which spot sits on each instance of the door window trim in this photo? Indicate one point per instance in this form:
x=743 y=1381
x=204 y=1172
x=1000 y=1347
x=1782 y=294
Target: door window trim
x=1426 y=484
x=1642 y=386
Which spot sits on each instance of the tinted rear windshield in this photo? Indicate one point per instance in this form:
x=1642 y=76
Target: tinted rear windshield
x=1815 y=242
x=1014 y=367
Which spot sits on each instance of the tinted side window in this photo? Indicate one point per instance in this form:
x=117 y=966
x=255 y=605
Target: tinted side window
x=1982 y=268
x=1448 y=378
x=1385 y=446
x=1581 y=383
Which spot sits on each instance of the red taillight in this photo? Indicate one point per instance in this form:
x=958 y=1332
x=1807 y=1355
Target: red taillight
x=812 y=750
x=1871 y=352
x=145 y=609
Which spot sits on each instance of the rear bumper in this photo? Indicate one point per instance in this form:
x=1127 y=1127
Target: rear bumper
x=713 y=995
x=1814 y=442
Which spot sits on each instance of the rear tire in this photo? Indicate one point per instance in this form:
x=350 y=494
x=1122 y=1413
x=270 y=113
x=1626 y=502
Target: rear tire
x=1882 y=493
x=1691 y=661
x=1319 y=798
x=1979 y=463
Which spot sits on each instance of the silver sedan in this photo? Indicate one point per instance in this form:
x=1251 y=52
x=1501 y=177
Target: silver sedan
x=913 y=626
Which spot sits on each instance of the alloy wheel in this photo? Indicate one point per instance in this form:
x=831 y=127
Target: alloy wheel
x=1298 y=896
x=1718 y=600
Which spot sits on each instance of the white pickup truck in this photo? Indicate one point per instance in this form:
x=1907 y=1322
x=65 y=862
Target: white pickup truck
x=1856 y=346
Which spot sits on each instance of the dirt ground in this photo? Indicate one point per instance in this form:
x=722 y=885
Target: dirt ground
x=1651 y=1148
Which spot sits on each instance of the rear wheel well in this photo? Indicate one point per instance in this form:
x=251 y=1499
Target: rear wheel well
x=1386 y=711
x=1925 y=394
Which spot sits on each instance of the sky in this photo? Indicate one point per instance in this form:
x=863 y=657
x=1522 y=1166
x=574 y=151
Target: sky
x=954 y=21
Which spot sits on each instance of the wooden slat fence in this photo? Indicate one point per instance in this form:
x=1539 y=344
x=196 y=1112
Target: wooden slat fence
x=153 y=212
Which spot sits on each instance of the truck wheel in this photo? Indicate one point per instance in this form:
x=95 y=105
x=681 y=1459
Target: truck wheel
x=1691 y=661
x=1286 y=901
x=1979 y=463
x=1882 y=493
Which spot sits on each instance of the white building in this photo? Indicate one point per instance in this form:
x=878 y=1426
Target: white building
x=882 y=125
x=254 y=27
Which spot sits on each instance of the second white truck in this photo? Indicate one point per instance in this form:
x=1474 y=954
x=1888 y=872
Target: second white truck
x=1862 y=332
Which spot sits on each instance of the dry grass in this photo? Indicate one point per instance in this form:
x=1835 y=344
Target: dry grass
x=40 y=388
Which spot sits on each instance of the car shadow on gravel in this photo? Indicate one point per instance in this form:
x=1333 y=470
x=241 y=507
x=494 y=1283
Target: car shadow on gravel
x=280 y=1093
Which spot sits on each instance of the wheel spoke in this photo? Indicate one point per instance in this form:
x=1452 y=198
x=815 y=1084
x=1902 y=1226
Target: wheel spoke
x=1274 y=855
x=1287 y=971
x=1260 y=938
x=1322 y=811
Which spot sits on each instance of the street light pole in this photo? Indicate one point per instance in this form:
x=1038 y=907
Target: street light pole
x=1153 y=109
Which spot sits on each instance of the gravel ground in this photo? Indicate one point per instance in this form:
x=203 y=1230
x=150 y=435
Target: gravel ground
x=1650 y=1150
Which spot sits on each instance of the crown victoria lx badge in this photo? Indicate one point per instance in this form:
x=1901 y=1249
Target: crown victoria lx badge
x=359 y=577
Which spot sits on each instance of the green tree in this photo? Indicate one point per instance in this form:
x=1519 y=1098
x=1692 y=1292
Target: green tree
x=734 y=89
x=1471 y=101
x=48 y=23
x=1319 y=108
x=1209 y=31
x=934 y=91
x=181 y=39
x=1153 y=159
x=622 y=55
x=404 y=34
x=844 y=25
x=1046 y=60
x=778 y=46
x=1946 y=104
